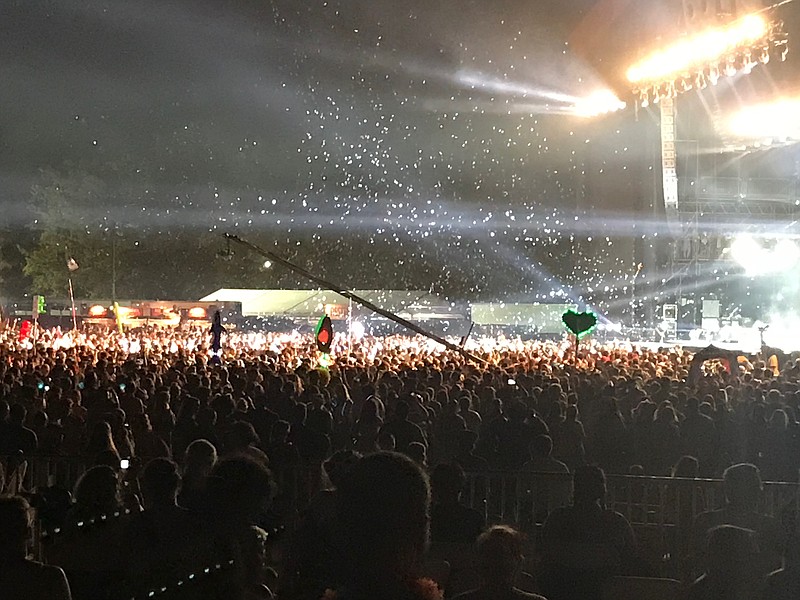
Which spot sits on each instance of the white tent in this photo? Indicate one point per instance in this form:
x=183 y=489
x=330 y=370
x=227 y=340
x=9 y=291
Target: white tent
x=310 y=303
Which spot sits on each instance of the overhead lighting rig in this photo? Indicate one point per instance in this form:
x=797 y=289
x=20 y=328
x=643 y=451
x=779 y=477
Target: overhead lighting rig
x=703 y=59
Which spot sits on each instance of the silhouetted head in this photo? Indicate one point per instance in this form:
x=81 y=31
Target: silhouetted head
x=15 y=527
x=743 y=486
x=97 y=491
x=589 y=485
x=418 y=453
x=500 y=556
x=160 y=482
x=687 y=466
x=383 y=508
x=338 y=465
x=241 y=435
x=17 y=414
x=240 y=489
x=200 y=458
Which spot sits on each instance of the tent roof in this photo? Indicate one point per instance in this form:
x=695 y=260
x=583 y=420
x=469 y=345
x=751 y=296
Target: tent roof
x=307 y=303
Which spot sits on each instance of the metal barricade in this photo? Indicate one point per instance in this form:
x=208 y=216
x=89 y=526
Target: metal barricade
x=661 y=510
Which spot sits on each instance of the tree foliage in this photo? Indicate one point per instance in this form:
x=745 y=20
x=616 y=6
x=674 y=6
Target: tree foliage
x=73 y=221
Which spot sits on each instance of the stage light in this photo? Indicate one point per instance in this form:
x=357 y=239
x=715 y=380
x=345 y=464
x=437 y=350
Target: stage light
x=749 y=254
x=97 y=311
x=599 y=103
x=756 y=259
x=700 y=81
x=687 y=55
x=778 y=120
x=197 y=312
x=702 y=58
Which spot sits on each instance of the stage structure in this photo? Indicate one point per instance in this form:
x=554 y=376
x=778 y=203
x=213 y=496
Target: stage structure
x=722 y=38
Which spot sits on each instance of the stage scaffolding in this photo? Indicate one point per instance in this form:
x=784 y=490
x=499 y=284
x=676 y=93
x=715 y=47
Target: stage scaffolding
x=710 y=211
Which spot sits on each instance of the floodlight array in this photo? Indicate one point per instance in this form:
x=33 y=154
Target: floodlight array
x=703 y=59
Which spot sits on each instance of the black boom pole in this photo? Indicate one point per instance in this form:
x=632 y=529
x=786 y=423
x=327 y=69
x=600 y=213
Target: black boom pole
x=351 y=296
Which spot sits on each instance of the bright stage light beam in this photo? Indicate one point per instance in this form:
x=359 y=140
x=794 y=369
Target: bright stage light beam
x=694 y=53
x=749 y=254
x=774 y=121
x=599 y=103
x=758 y=260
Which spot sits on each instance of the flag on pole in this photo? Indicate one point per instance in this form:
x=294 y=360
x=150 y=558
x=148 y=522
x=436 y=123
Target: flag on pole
x=118 y=318
x=72 y=265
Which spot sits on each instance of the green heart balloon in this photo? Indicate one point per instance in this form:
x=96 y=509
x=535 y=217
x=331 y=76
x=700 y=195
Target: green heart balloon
x=580 y=324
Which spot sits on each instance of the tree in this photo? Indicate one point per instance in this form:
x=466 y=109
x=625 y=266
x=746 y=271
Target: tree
x=74 y=220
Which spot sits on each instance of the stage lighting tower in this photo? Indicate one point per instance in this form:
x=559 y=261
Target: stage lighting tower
x=695 y=61
x=699 y=59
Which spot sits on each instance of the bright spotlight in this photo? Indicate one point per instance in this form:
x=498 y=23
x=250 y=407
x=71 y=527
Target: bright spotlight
x=749 y=254
x=689 y=54
x=774 y=121
x=758 y=260
x=701 y=59
x=599 y=103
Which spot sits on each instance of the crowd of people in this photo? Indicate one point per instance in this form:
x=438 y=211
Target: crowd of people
x=266 y=474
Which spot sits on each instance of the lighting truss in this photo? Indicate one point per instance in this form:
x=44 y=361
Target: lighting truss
x=703 y=59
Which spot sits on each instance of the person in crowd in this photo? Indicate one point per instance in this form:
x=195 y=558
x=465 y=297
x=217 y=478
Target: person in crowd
x=471 y=417
x=466 y=458
x=729 y=575
x=542 y=460
x=500 y=559
x=404 y=431
x=20 y=577
x=743 y=490
x=367 y=427
x=239 y=495
x=383 y=510
x=585 y=543
x=548 y=492
x=784 y=583
x=199 y=461
x=451 y=521
x=158 y=538
x=91 y=547
x=315 y=560
x=242 y=440
x=418 y=452
x=148 y=445
x=569 y=438
x=18 y=437
x=699 y=436
x=101 y=442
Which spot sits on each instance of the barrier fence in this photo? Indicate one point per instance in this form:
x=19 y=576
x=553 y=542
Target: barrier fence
x=517 y=498
x=527 y=498
x=659 y=508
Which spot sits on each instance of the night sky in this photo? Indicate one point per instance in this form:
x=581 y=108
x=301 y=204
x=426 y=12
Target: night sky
x=383 y=143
